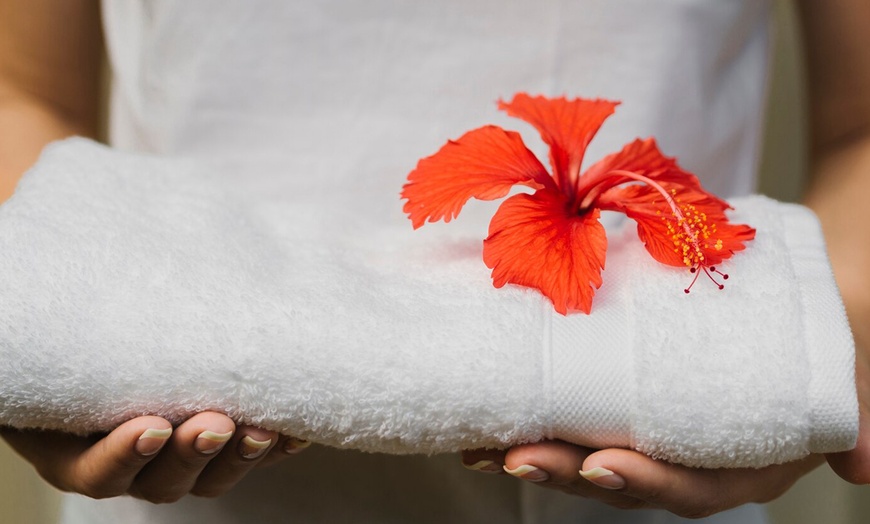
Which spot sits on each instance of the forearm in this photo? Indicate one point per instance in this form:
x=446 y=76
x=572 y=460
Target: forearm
x=838 y=67
x=838 y=74
x=27 y=124
x=50 y=56
x=838 y=195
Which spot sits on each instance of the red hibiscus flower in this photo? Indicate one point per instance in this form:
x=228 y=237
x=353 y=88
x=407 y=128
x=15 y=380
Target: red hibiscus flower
x=551 y=239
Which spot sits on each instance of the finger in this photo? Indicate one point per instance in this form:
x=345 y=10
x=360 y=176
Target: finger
x=285 y=448
x=95 y=467
x=556 y=464
x=110 y=466
x=553 y=461
x=174 y=472
x=484 y=460
x=690 y=492
x=248 y=447
x=854 y=466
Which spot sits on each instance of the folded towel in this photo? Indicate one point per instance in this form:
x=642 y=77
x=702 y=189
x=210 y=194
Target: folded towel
x=141 y=285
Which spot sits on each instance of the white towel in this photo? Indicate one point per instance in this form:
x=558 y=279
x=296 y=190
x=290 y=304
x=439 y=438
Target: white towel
x=139 y=285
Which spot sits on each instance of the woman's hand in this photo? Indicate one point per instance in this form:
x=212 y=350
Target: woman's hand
x=148 y=459
x=631 y=480
x=854 y=465
x=628 y=479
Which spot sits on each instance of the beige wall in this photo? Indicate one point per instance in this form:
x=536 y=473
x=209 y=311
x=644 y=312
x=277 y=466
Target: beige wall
x=819 y=498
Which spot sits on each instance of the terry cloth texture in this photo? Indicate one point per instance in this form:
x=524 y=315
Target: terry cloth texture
x=137 y=285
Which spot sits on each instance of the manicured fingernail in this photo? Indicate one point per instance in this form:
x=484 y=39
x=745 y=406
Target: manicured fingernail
x=251 y=449
x=152 y=440
x=530 y=473
x=484 y=466
x=295 y=445
x=209 y=442
x=603 y=477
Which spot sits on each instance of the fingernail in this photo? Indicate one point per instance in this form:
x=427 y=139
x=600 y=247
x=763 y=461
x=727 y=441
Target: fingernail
x=295 y=445
x=251 y=449
x=530 y=473
x=152 y=440
x=603 y=477
x=484 y=466
x=209 y=442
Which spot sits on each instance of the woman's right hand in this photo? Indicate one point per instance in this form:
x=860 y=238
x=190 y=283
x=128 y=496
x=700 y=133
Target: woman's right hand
x=148 y=459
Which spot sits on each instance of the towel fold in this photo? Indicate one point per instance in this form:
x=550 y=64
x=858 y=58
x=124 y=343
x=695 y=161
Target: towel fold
x=140 y=285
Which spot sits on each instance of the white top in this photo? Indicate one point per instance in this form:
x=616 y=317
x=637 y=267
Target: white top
x=298 y=98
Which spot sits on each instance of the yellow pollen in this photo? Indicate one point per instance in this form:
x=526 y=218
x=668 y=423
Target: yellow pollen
x=689 y=231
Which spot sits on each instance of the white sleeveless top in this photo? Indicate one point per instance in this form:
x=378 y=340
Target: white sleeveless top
x=294 y=99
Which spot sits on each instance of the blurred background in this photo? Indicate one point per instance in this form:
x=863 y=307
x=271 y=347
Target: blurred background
x=820 y=497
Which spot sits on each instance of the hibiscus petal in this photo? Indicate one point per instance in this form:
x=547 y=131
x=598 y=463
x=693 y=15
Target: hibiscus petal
x=533 y=241
x=723 y=242
x=666 y=238
x=705 y=237
x=484 y=163
x=641 y=156
x=567 y=126
x=644 y=158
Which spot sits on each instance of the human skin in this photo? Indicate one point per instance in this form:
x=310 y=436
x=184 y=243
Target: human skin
x=49 y=65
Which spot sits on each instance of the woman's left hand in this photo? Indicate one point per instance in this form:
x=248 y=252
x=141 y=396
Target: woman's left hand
x=631 y=480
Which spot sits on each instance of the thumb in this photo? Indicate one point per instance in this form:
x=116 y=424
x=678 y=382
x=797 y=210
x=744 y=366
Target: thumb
x=854 y=465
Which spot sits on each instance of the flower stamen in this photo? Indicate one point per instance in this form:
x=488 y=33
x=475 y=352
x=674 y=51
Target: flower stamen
x=707 y=272
x=714 y=270
x=695 y=271
x=687 y=227
x=693 y=226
